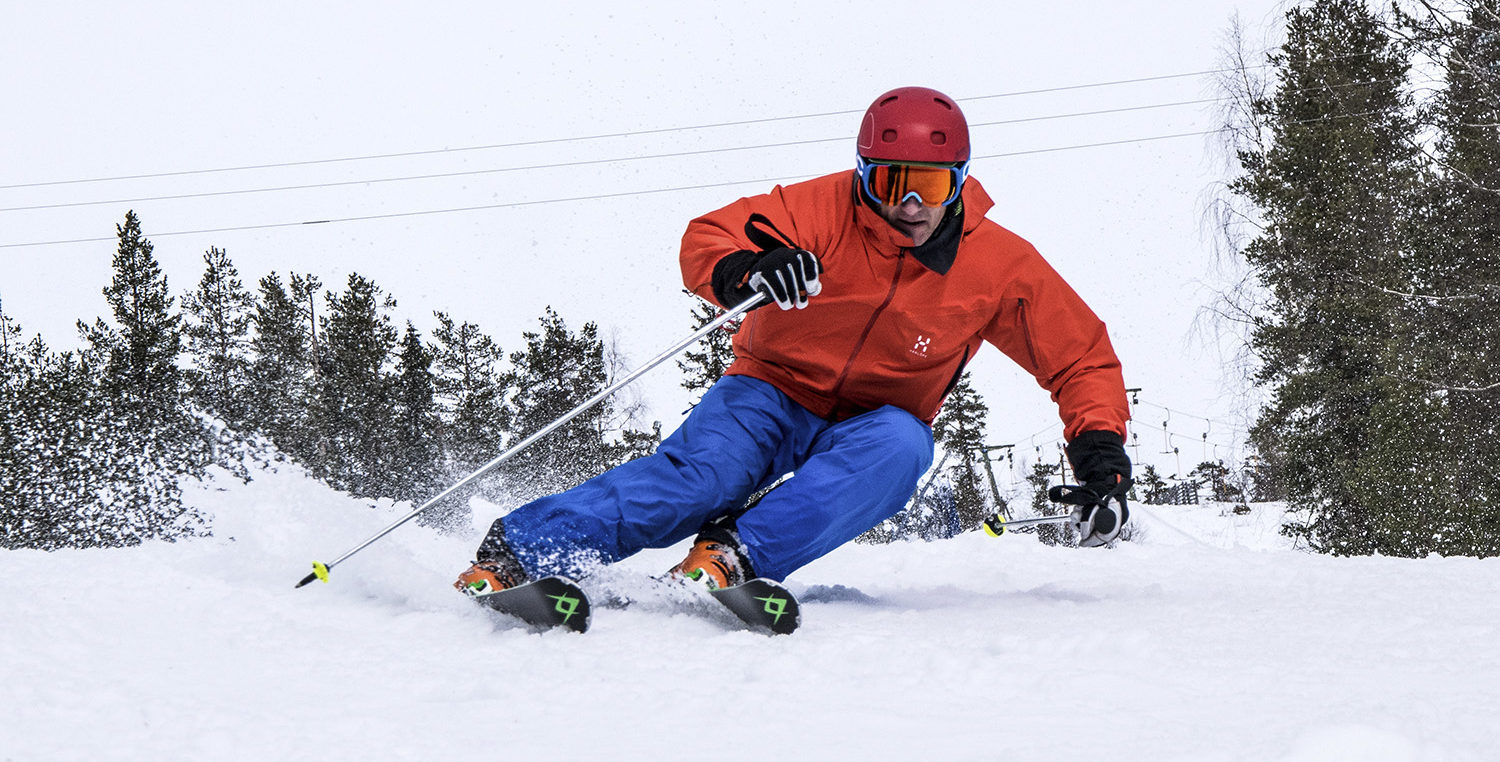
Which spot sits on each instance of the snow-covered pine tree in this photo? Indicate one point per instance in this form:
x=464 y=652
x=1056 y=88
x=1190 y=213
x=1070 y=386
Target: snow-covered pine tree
x=24 y=522
x=415 y=473
x=959 y=429
x=354 y=403
x=304 y=291
x=470 y=390
x=144 y=346
x=219 y=314
x=1041 y=480
x=55 y=464
x=151 y=439
x=556 y=372
x=955 y=499
x=279 y=386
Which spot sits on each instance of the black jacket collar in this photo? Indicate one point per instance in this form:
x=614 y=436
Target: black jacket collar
x=939 y=252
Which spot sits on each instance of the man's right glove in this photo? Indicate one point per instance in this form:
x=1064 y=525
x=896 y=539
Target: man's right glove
x=1100 y=462
x=788 y=276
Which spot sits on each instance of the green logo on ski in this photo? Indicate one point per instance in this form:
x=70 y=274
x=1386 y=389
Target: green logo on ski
x=566 y=605
x=774 y=606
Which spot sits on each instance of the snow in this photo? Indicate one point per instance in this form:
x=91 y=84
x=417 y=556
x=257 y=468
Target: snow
x=1207 y=638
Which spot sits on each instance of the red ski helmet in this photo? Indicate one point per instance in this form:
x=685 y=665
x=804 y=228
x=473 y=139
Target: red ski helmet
x=914 y=124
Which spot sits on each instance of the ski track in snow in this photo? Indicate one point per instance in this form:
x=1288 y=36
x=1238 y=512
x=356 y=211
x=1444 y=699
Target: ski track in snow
x=1209 y=638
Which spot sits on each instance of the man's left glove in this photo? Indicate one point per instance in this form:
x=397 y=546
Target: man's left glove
x=1100 y=463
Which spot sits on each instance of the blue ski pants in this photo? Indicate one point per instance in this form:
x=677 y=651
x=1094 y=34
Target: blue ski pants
x=742 y=436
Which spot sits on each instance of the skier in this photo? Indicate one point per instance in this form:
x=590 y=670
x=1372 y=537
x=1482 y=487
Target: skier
x=887 y=280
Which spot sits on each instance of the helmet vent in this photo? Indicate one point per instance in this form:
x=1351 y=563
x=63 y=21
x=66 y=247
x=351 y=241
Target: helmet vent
x=939 y=138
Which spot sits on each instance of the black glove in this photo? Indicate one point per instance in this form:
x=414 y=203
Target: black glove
x=1100 y=462
x=788 y=276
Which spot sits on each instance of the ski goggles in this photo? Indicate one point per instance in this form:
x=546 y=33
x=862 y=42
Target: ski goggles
x=892 y=184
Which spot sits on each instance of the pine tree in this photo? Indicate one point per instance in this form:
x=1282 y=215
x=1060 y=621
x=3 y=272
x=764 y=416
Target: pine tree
x=280 y=375
x=556 y=372
x=415 y=473
x=959 y=429
x=1214 y=475
x=56 y=459
x=125 y=389
x=704 y=365
x=632 y=444
x=1336 y=191
x=354 y=403
x=1040 y=479
x=304 y=291
x=470 y=390
x=142 y=366
x=1451 y=318
x=1150 y=486
x=20 y=511
x=219 y=316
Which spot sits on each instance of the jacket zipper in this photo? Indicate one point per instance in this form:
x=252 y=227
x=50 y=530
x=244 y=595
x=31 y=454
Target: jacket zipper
x=1026 y=332
x=838 y=385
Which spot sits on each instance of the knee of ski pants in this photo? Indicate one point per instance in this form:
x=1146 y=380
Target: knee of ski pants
x=898 y=444
x=861 y=472
x=911 y=439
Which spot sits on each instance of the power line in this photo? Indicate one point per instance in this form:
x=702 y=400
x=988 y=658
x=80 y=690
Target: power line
x=595 y=197
x=568 y=164
x=644 y=192
x=623 y=194
x=397 y=215
x=603 y=136
x=406 y=178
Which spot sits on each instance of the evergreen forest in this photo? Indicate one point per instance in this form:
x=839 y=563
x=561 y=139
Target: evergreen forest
x=1367 y=212
x=95 y=443
x=1361 y=207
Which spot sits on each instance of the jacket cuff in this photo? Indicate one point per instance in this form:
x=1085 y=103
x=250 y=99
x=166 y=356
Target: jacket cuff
x=729 y=276
x=1097 y=455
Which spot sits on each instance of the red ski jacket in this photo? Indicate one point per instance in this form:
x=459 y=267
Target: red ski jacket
x=890 y=326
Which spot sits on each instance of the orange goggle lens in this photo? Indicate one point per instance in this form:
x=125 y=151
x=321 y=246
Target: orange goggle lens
x=892 y=184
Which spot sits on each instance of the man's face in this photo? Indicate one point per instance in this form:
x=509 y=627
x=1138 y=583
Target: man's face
x=913 y=219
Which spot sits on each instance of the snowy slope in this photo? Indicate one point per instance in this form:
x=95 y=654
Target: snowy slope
x=1208 y=639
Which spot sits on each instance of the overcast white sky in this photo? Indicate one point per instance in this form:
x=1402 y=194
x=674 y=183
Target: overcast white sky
x=107 y=90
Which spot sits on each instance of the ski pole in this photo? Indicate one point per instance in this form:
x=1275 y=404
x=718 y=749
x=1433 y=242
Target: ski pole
x=321 y=570
x=996 y=525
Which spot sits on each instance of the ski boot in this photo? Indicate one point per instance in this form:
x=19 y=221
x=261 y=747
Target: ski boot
x=715 y=561
x=497 y=568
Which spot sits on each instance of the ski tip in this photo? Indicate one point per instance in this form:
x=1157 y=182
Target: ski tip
x=320 y=571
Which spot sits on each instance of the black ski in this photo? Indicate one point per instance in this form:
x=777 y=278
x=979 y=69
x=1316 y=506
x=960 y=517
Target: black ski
x=547 y=602
x=763 y=604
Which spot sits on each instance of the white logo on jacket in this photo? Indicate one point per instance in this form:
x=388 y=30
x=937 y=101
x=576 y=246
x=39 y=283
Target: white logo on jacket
x=920 y=348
